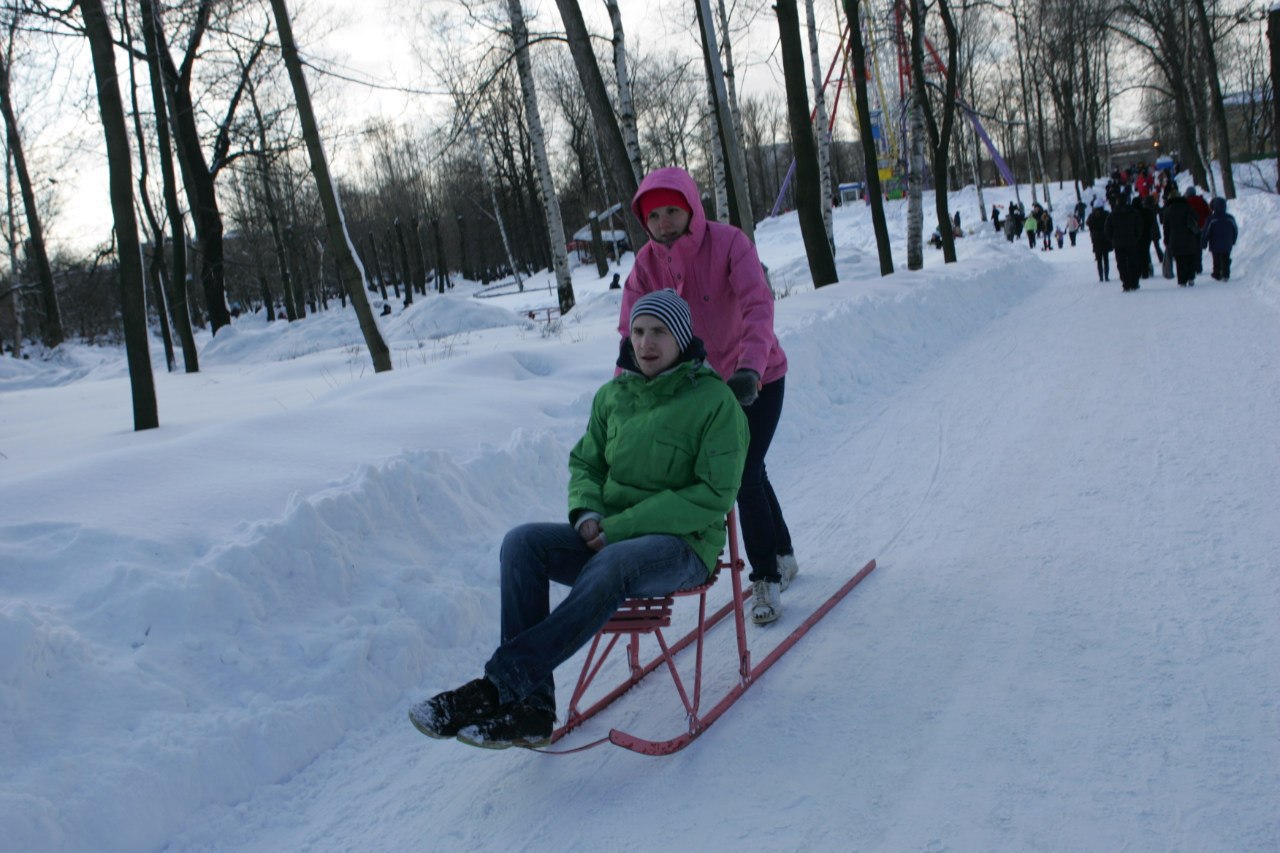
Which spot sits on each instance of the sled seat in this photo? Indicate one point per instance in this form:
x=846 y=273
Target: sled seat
x=638 y=617
x=646 y=615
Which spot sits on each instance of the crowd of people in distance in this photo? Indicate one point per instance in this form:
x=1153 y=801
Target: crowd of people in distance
x=1143 y=209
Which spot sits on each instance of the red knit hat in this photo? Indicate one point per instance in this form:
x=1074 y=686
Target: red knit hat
x=662 y=197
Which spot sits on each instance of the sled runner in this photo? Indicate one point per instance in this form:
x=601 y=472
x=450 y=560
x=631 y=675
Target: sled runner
x=638 y=617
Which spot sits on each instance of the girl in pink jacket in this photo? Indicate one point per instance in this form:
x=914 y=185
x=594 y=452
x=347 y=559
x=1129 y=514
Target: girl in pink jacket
x=715 y=268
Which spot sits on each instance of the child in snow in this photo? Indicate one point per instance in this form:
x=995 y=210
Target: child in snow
x=650 y=484
x=1218 y=237
x=1073 y=225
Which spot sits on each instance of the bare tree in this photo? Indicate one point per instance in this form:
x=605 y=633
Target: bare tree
x=350 y=270
x=857 y=55
x=739 y=205
x=271 y=206
x=179 y=307
x=916 y=140
x=626 y=106
x=607 y=129
x=1218 y=111
x=197 y=173
x=822 y=264
x=1273 y=40
x=546 y=187
x=51 y=323
x=1158 y=28
x=156 y=267
x=129 y=255
x=939 y=137
x=820 y=124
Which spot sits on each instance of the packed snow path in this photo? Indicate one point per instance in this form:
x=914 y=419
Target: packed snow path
x=1070 y=643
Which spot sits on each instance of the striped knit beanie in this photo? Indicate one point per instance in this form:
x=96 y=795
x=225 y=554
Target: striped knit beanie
x=671 y=309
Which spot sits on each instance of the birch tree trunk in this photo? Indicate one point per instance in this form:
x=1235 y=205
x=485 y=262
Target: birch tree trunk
x=820 y=125
x=1026 y=102
x=731 y=87
x=538 y=141
x=915 y=185
x=626 y=101
x=350 y=270
x=915 y=167
x=51 y=324
x=719 y=181
x=133 y=300
x=497 y=211
x=739 y=202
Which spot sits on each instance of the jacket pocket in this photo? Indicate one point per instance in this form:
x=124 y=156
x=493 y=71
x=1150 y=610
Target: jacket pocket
x=674 y=453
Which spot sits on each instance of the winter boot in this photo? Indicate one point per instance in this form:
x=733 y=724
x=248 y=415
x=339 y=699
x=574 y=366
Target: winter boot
x=766 y=602
x=787 y=570
x=447 y=713
x=516 y=724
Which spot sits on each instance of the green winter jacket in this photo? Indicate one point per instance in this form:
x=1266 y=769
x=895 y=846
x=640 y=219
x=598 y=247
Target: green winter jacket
x=661 y=455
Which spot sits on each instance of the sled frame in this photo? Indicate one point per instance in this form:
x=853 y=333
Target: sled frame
x=638 y=617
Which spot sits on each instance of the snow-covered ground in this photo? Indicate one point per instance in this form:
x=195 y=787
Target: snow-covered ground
x=210 y=632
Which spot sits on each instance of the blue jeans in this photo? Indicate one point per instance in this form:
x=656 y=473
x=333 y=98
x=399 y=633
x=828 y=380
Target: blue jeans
x=536 y=639
x=764 y=530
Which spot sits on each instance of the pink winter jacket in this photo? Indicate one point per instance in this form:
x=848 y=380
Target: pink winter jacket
x=717 y=271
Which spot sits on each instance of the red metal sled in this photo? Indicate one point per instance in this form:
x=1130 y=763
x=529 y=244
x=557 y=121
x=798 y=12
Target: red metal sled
x=640 y=616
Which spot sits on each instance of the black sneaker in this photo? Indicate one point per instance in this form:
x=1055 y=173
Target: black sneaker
x=516 y=724
x=447 y=713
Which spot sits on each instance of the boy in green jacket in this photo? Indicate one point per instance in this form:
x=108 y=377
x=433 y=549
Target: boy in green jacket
x=650 y=484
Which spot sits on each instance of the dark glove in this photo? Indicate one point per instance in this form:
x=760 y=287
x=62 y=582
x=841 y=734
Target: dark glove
x=745 y=385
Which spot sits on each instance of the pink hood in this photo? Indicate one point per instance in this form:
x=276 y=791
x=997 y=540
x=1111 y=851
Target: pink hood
x=717 y=271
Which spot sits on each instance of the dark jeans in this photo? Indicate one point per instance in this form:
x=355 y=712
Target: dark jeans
x=1222 y=265
x=1129 y=265
x=1104 y=265
x=1187 y=266
x=764 y=530
x=536 y=639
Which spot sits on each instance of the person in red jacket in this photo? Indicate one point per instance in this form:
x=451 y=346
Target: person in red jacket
x=714 y=266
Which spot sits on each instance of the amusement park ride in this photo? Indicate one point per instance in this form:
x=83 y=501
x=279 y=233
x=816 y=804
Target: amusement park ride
x=888 y=126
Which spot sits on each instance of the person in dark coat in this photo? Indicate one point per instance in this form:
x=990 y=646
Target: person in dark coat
x=1045 y=229
x=1125 y=229
x=1150 y=233
x=1201 y=208
x=1097 y=225
x=1013 y=223
x=1152 y=207
x=995 y=217
x=1182 y=238
x=1218 y=236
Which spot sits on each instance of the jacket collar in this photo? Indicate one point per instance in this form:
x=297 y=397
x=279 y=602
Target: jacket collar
x=690 y=360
